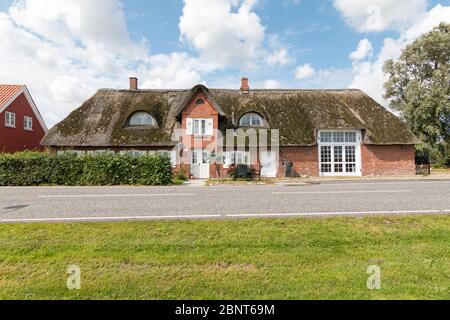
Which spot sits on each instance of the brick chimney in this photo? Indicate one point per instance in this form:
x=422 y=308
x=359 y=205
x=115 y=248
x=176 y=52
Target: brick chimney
x=245 y=88
x=133 y=83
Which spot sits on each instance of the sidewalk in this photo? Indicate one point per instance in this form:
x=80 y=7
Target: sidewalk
x=436 y=175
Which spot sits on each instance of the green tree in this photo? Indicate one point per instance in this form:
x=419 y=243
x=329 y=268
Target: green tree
x=419 y=87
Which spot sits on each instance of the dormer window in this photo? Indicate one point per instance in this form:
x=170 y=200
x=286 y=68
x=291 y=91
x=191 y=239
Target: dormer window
x=251 y=120
x=142 y=119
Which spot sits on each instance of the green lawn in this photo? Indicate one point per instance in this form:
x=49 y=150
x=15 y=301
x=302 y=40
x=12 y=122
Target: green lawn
x=248 y=259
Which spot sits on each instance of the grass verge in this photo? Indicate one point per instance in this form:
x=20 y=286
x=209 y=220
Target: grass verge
x=248 y=259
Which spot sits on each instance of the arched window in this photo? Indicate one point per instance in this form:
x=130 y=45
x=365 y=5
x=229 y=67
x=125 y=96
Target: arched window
x=200 y=101
x=251 y=120
x=141 y=118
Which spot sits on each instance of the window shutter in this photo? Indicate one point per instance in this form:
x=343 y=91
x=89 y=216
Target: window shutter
x=189 y=126
x=209 y=127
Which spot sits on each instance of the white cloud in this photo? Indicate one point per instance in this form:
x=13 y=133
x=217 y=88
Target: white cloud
x=278 y=58
x=365 y=49
x=380 y=15
x=64 y=50
x=304 y=72
x=272 y=84
x=225 y=31
x=170 y=71
x=369 y=76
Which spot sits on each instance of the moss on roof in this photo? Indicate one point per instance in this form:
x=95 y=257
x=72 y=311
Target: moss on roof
x=298 y=114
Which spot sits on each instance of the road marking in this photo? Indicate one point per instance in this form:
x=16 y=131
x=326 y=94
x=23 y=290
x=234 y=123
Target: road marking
x=216 y=216
x=117 y=195
x=342 y=192
x=377 y=183
x=124 y=218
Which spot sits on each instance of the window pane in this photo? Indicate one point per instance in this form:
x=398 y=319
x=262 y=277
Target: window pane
x=350 y=137
x=325 y=154
x=350 y=167
x=326 y=137
x=337 y=154
x=203 y=131
x=338 y=137
x=256 y=121
x=142 y=119
x=194 y=157
x=326 y=168
x=350 y=154
x=251 y=120
x=338 y=168
x=196 y=127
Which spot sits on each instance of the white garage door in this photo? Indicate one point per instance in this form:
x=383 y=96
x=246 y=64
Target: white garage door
x=340 y=153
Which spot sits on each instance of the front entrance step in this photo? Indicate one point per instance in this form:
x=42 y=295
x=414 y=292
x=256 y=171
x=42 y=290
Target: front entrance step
x=195 y=183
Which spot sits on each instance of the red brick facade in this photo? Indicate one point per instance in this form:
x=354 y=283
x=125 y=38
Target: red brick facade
x=206 y=111
x=18 y=139
x=388 y=160
x=376 y=160
x=304 y=159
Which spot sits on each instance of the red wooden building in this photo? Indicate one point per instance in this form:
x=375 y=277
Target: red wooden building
x=21 y=125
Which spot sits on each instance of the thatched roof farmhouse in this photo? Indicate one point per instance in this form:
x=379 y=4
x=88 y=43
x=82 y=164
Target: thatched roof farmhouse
x=103 y=122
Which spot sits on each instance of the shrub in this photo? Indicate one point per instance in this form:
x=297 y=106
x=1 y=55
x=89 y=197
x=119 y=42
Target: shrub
x=243 y=172
x=181 y=175
x=34 y=169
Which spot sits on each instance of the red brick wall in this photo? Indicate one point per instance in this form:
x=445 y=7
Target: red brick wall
x=18 y=139
x=206 y=111
x=388 y=160
x=305 y=160
x=376 y=160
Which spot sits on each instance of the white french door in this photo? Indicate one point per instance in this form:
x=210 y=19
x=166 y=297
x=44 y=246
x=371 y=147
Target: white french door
x=200 y=164
x=340 y=153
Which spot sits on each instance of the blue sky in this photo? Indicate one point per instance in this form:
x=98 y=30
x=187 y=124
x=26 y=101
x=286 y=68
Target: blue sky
x=286 y=44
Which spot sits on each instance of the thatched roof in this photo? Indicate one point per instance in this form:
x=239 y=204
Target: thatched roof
x=298 y=114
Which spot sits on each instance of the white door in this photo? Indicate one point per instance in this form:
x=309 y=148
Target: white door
x=199 y=164
x=269 y=164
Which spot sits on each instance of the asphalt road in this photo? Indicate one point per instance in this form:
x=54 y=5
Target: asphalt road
x=59 y=204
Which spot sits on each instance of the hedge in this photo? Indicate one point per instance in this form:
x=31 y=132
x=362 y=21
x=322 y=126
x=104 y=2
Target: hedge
x=35 y=169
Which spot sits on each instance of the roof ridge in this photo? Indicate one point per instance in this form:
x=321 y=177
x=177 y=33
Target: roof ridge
x=237 y=90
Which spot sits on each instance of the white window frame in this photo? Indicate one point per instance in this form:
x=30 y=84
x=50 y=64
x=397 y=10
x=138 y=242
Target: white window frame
x=10 y=119
x=252 y=116
x=341 y=143
x=28 y=123
x=200 y=127
x=231 y=158
x=70 y=152
x=142 y=116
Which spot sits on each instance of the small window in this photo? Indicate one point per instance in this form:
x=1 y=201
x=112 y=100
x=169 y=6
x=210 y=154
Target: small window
x=251 y=120
x=140 y=119
x=236 y=158
x=200 y=127
x=10 y=119
x=200 y=101
x=28 y=123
